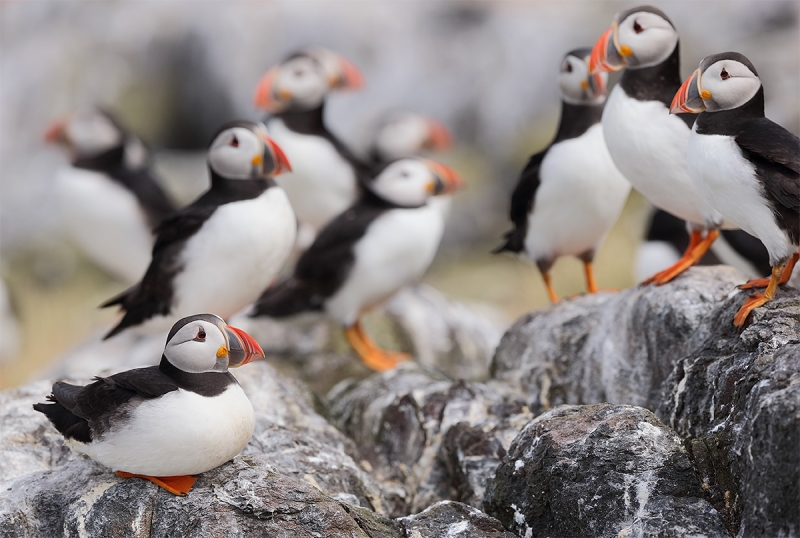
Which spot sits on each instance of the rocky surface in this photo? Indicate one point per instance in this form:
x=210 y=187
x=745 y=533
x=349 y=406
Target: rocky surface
x=600 y=470
x=448 y=519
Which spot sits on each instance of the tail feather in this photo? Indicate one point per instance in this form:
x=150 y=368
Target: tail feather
x=287 y=298
x=515 y=242
x=68 y=424
x=119 y=299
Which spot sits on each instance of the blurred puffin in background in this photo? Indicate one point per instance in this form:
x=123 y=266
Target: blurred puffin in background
x=110 y=199
x=401 y=133
x=164 y=423
x=326 y=176
x=648 y=144
x=221 y=251
x=384 y=242
x=570 y=194
x=747 y=166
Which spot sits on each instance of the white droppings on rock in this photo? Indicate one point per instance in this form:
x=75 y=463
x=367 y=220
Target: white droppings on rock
x=457 y=528
x=87 y=500
x=519 y=464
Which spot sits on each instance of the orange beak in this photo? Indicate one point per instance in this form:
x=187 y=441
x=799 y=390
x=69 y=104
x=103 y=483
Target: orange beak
x=243 y=347
x=346 y=76
x=56 y=131
x=264 y=96
x=605 y=55
x=690 y=96
x=280 y=159
x=447 y=179
x=439 y=137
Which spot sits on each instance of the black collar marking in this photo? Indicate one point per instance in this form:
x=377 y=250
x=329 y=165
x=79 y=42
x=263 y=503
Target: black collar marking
x=205 y=384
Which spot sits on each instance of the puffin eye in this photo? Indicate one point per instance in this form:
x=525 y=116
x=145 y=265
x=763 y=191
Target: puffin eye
x=234 y=142
x=637 y=27
x=201 y=335
x=724 y=75
x=568 y=68
x=299 y=72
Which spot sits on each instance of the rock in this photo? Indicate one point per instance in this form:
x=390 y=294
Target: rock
x=245 y=497
x=398 y=420
x=610 y=347
x=600 y=470
x=452 y=519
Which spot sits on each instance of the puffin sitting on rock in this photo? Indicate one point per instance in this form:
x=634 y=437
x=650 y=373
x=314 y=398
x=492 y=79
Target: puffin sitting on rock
x=648 y=145
x=164 y=423
x=109 y=197
x=326 y=176
x=364 y=256
x=570 y=194
x=221 y=251
x=747 y=166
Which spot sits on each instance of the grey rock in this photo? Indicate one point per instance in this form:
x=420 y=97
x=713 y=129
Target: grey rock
x=398 y=420
x=452 y=520
x=610 y=347
x=600 y=470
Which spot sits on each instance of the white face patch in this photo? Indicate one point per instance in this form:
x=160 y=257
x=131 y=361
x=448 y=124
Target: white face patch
x=731 y=84
x=231 y=154
x=301 y=81
x=91 y=132
x=403 y=135
x=573 y=79
x=407 y=182
x=194 y=348
x=650 y=37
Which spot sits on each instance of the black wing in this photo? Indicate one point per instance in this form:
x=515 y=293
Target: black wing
x=80 y=412
x=521 y=204
x=775 y=152
x=148 y=192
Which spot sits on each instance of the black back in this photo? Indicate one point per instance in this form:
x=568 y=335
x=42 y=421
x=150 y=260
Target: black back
x=86 y=413
x=139 y=181
x=774 y=151
x=153 y=295
x=324 y=267
x=575 y=121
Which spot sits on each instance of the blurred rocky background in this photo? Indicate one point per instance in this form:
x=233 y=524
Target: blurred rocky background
x=173 y=71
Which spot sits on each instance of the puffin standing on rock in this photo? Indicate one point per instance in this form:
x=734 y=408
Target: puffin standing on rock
x=747 y=166
x=648 y=145
x=364 y=256
x=326 y=176
x=570 y=194
x=220 y=252
x=164 y=423
x=109 y=197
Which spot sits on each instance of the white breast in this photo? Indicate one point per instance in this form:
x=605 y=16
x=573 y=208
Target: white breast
x=106 y=221
x=235 y=255
x=649 y=148
x=728 y=180
x=322 y=184
x=579 y=199
x=180 y=433
x=397 y=249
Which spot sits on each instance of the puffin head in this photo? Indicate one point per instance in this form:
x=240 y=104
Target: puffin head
x=578 y=85
x=638 y=37
x=722 y=82
x=304 y=79
x=403 y=134
x=204 y=343
x=411 y=182
x=242 y=150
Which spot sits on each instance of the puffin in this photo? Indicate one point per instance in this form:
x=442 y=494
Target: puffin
x=164 y=423
x=109 y=196
x=221 y=251
x=327 y=175
x=382 y=243
x=570 y=194
x=747 y=166
x=648 y=144
x=402 y=133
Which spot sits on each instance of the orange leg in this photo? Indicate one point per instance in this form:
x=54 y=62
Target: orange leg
x=591 y=283
x=550 y=291
x=758 y=299
x=764 y=282
x=373 y=356
x=177 y=485
x=696 y=250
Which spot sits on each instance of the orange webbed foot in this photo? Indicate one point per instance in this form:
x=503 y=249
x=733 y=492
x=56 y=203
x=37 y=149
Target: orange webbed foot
x=752 y=302
x=177 y=485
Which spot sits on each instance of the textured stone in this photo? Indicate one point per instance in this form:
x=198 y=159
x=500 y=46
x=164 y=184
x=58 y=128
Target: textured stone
x=448 y=519
x=600 y=470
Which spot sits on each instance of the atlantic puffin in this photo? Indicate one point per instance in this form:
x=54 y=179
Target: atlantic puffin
x=570 y=194
x=164 y=423
x=326 y=176
x=110 y=199
x=364 y=256
x=648 y=144
x=402 y=133
x=747 y=166
x=221 y=251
